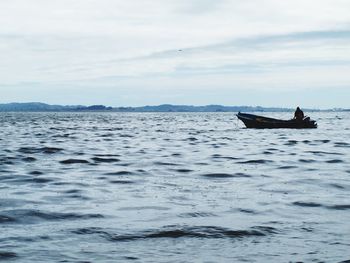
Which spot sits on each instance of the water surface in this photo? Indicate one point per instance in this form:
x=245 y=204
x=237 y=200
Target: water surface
x=172 y=187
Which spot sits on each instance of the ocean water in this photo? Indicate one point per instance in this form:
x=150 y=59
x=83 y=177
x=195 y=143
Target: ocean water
x=172 y=187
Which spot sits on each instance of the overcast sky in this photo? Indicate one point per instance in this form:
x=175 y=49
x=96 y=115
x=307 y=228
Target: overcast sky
x=231 y=52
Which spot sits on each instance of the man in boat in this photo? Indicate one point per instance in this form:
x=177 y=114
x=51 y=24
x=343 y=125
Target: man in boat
x=298 y=114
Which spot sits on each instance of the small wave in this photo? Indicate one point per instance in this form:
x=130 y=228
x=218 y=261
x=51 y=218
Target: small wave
x=273 y=149
x=107 y=155
x=307 y=204
x=31 y=216
x=131 y=258
x=339 y=207
x=6 y=219
x=335 y=161
x=107 y=135
x=74 y=161
x=39 y=180
x=8 y=178
x=126 y=136
x=225 y=175
x=196 y=214
x=25 y=179
x=11 y=203
x=138 y=208
x=307 y=229
x=121 y=182
x=166 y=164
x=322 y=141
x=66 y=135
x=73 y=191
x=36 y=173
x=338 y=186
x=7 y=160
x=6 y=255
x=307 y=160
x=202 y=163
x=181 y=232
x=342 y=144
x=291 y=142
x=105 y=160
x=32 y=150
x=258 y=161
x=183 y=170
x=218 y=156
x=28 y=159
x=287 y=167
x=332 y=207
x=247 y=211
x=119 y=173
x=323 y=153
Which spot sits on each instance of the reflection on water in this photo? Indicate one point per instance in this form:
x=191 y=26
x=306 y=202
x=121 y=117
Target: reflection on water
x=172 y=187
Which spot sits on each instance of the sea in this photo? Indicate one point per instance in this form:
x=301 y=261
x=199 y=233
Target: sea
x=173 y=187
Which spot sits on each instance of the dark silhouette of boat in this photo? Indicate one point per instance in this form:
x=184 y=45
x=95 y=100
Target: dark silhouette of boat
x=260 y=122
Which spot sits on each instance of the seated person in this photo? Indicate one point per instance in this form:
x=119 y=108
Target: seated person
x=298 y=114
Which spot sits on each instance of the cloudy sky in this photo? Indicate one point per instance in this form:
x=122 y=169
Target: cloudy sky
x=138 y=52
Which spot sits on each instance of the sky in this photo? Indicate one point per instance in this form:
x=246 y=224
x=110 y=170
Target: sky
x=150 y=52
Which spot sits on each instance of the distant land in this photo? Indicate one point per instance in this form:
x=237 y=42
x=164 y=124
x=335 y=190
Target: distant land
x=43 y=107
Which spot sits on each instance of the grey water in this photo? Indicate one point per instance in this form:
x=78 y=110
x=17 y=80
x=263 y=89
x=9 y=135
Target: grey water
x=172 y=187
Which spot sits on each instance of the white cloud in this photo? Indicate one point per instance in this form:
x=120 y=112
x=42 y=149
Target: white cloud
x=252 y=44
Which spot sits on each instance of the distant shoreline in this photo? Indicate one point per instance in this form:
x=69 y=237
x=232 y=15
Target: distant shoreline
x=43 y=107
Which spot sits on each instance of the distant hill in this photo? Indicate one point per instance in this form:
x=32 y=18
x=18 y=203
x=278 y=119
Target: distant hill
x=42 y=107
x=38 y=107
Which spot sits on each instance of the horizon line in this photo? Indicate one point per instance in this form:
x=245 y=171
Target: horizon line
x=176 y=105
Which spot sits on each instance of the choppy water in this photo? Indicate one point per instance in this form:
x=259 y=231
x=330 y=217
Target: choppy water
x=193 y=187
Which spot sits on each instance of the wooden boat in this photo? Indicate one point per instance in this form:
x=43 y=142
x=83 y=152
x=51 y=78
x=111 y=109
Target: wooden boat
x=260 y=122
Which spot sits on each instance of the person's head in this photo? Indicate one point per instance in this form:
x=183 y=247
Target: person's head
x=298 y=108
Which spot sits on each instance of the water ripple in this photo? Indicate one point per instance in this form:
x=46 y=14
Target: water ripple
x=47 y=150
x=7 y=255
x=225 y=175
x=106 y=187
x=105 y=160
x=74 y=161
x=257 y=161
x=332 y=207
x=180 y=232
x=31 y=216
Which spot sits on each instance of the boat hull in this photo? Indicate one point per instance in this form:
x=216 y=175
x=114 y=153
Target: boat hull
x=260 y=122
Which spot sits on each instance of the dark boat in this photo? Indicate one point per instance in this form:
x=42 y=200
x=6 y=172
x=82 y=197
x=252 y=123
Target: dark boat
x=260 y=122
